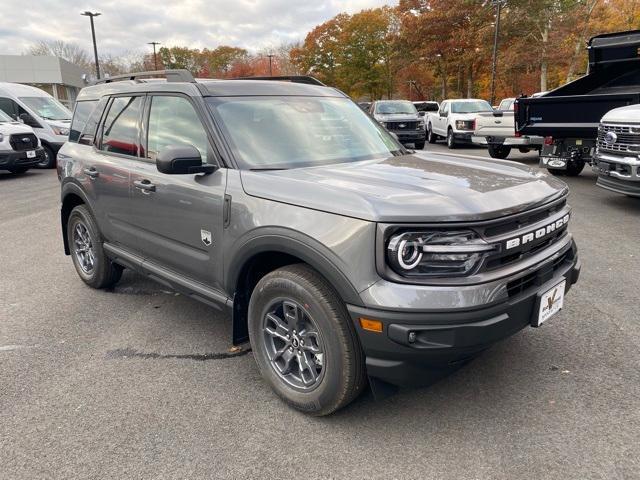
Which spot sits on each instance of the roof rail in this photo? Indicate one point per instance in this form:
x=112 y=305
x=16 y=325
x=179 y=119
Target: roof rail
x=171 y=75
x=287 y=78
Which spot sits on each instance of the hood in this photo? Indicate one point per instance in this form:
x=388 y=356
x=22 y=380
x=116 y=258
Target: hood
x=10 y=128
x=397 y=117
x=628 y=114
x=59 y=123
x=469 y=116
x=422 y=187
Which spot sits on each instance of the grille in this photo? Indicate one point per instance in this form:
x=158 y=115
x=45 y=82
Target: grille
x=406 y=125
x=540 y=276
x=628 y=140
x=25 y=141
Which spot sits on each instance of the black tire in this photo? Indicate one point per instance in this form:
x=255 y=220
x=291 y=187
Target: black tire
x=524 y=150
x=451 y=140
x=575 y=167
x=18 y=170
x=341 y=377
x=419 y=145
x=49 y=160
x=103 y=272
x=499 y=151
x=431 y=137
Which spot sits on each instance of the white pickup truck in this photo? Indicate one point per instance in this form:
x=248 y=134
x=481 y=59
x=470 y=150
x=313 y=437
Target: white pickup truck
x=455 y=120
x=496 y=130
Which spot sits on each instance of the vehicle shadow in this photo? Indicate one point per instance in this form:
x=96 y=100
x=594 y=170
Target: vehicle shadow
x=6 y=176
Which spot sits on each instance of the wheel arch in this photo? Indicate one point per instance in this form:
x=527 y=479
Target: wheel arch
x=72 y=196
x=268 y=252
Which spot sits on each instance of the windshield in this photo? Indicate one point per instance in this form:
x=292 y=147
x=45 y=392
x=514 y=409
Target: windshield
x=5 y=118
x=471 y=107
x=399 y=107
x=289 y=132
x=47 y=107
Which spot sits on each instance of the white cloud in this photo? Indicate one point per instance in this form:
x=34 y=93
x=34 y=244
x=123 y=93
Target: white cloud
x=126 y=26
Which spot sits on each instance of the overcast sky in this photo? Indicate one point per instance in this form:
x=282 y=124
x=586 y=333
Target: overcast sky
x=126 y=26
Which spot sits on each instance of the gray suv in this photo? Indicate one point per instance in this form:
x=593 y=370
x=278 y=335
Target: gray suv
x=342 y=258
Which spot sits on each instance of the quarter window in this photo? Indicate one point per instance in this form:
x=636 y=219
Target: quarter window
x=174 y=121
x=80 y=118
x=120 y=132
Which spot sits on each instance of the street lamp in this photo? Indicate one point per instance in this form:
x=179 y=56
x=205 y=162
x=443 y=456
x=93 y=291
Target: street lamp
x=93 y=36
x=271 y=55
x=498 y=4
x=155 y=58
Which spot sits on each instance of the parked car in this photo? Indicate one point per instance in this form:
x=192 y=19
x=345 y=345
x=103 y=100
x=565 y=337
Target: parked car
x=425 y=106
x=568 y=116
x=617 y=159
x=402 y=119
x=20 y=149
x=455 y=120
x=496 y=130
x=34 y=107
x=340 y=256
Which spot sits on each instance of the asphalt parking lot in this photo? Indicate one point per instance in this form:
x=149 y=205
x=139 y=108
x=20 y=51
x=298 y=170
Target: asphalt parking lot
x=97 y=384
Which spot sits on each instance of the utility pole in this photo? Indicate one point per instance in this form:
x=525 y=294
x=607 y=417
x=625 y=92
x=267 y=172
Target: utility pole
x=498 y=4
x=410 y=82
x=271 y=55
x=155 y=58
x=93 y=36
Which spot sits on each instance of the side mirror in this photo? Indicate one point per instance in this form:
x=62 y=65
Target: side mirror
x=182 y=160
x=28 y=120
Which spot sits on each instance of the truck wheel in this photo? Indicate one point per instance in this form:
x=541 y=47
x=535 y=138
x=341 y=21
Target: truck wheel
x=85 y=242
x=431 y=137
x=575 y=167
x=419 y=145
x=49 y=160
x=451 y=141
x=304 y=341
x=18 y=170
x=499 y=151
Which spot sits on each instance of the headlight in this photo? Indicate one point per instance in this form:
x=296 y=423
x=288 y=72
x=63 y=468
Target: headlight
x=465 y=124
x=60 y=130
x=436 y=253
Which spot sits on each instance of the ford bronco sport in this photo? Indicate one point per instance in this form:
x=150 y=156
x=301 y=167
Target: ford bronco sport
x=340 y=256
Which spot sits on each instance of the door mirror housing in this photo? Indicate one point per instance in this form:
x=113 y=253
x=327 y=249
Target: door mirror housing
x=28 y=120
x=182 y=160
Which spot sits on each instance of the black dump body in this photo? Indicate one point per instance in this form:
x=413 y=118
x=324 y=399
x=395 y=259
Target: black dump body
x=575 y=109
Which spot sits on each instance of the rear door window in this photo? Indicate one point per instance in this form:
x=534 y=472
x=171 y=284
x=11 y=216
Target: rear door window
x=81 y=116
x=121 y=127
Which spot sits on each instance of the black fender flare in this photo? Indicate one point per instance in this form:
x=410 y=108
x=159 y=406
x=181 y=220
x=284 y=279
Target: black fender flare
x=284 y=240
x=70 y=188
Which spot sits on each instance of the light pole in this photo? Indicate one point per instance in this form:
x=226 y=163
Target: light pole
x=498 y=4
x=155 y=58
x=271 y=55
x=93 y=36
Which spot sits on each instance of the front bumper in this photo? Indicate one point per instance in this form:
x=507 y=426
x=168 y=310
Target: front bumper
x=411 y=136
x=18 y=159
x=462 y=137
x=531 y=142
x=618 y=174
x=442 y=341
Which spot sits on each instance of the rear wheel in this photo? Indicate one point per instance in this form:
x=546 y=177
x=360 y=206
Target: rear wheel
x=499 y=151
x=89 y=258
x=451 y=140
x=431 y=137
x=49 y=160
x=304 y=342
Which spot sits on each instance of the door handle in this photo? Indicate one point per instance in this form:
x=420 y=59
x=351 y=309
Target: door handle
x=145 y=185
x=91 y=172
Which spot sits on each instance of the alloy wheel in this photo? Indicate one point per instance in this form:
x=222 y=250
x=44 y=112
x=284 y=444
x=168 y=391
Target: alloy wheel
x=293 y=344
x=83 y=248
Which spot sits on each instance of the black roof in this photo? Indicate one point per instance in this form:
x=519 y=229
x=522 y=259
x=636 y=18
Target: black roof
x=209 y=87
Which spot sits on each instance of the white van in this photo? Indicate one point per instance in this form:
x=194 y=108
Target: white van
x=49 y=119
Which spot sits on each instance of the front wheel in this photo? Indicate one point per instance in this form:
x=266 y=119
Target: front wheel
x=89 y=258
x=575 y=167
x=49 y=160
x=419 y=145
x=304 y=342
x=499 y=151
x=451 y=140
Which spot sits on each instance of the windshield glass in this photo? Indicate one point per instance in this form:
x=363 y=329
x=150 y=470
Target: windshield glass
x=47 y=107
x=471 y=107
x=5 y=118
x=289 y=132
x=396 y=107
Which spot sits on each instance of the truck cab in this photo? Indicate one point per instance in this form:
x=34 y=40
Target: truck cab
x=455 y=120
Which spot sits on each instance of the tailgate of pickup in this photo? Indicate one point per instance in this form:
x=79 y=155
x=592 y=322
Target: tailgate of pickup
x=498 y=124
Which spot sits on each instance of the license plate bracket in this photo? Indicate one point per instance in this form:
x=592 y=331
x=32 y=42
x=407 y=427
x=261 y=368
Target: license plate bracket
x=31 y=154
x=550 y=302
